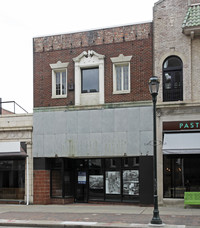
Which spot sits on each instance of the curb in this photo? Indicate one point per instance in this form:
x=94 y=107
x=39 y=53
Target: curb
x=79 y=224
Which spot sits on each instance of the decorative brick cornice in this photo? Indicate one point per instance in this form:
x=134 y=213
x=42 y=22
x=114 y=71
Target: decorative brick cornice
x=93 y=37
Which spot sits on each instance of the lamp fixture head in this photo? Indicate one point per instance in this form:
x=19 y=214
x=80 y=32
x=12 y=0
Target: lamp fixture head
x=154 y=85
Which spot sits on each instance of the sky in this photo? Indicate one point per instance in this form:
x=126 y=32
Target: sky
x=22 y=20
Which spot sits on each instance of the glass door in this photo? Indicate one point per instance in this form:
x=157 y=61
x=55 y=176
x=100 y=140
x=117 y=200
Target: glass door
x=81 y=181
x=81 y=190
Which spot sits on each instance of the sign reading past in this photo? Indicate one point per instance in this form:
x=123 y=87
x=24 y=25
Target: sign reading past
x=182 y=125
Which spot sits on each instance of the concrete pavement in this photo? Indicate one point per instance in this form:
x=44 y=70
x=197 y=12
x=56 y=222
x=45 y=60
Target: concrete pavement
x=96 y=215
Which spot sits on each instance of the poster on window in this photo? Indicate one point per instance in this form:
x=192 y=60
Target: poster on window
x=81 y=177
x=96 y=181
x=131 y=182
x=113 y=182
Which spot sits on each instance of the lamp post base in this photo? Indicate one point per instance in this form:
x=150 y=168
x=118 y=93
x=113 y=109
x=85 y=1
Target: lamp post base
x=156 y=218
x=156 y=225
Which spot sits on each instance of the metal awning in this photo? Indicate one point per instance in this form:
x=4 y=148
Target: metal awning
x=10 y=149
x=181 y=143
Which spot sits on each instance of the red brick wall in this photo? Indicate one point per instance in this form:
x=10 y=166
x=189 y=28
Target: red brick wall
x=62 y=201
x=135 y=40
x=56 y=183
x=41 y=187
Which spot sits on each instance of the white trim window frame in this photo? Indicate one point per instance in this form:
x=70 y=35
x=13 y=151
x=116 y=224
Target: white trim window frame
x=121 y=74
x=89 y=59
x=59 y=79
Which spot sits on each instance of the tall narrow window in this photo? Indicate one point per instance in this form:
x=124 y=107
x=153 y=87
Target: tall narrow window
x=122 y=77
x=59 y=79
x=121 y=74
x=173 y=79
x=61 y=83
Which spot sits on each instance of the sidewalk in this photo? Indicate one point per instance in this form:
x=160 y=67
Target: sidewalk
x=96 y=215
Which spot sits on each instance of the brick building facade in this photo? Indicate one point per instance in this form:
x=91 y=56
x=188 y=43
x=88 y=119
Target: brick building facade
x=93 y=113
x=93 y=116
x=135 y=40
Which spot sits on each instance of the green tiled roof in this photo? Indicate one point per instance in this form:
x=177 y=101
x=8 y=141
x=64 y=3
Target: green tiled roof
x=192 y=17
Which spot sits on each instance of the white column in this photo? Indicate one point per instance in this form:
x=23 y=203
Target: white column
x=77 y=85
x=29 y=175
x=101 y=83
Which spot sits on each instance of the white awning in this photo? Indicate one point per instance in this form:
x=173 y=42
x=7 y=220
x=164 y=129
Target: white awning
x=181 y=143
x=10 y=147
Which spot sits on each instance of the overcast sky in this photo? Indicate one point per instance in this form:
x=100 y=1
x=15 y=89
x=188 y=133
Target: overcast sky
x=21 y=20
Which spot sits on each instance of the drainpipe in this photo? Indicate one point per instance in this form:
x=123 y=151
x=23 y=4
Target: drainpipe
x=27 y=186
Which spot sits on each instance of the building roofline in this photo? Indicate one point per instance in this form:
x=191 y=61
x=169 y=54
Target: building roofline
x=94 y=29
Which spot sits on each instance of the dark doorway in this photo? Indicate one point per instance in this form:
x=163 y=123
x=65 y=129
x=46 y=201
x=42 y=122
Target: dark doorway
x=81 y=181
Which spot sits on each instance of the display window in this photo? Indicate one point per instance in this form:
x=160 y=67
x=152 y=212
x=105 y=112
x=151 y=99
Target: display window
x=113 y=182
x=181 y=173
x=98 y=179
x=131 y=182
x=12 y=179
x=61 y=178
x=181 y=158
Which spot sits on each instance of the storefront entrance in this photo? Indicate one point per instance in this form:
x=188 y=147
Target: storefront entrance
x=81 y=187
x=111 y=179
x=181 y=173
x=181 y=158
x=100 y=179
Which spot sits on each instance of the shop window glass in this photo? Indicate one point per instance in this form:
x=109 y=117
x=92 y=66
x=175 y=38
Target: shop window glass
x=82 y=163
x=56 y=163
x=12 y=179
x=109 y=179
x=96 y=187
x=96 y=180
x=113 y=185
x=125 y=162
x=132 y=162
x=172 y=79
x=113 y=163
x=168 y=193
x=56 y=183
x=61 y=177
x=94 y=163
x=131 y=182
x=181 y=173
x=68 y=183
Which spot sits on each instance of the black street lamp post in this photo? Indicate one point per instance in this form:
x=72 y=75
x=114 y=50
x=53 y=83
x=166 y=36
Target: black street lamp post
x=153 y=88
